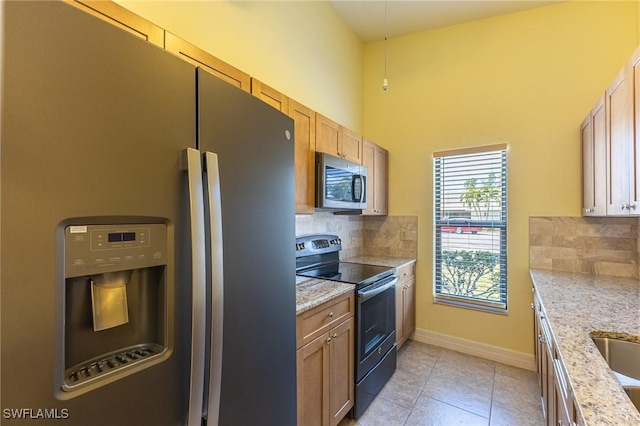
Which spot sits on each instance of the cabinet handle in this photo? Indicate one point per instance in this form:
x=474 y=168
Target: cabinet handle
x=533 y=306
x=622 y=207
x=335 y=336
x=631 y=206
x=588 y=210
x=541 y=339
x=329 y=340
x=330 y=315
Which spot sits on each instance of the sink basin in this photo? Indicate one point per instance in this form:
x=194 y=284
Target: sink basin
x=624 y=359
x=634 y=394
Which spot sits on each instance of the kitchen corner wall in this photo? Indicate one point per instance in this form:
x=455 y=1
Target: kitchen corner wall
x=393 y=236
x=594 y=246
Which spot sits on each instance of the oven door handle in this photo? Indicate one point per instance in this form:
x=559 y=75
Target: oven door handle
x=366 y=295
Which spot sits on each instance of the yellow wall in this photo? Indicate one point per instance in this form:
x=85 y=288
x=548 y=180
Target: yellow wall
x=527 y=79
x=303 y=49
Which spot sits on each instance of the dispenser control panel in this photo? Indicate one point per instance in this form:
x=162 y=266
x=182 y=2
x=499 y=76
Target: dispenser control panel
x=95 y=249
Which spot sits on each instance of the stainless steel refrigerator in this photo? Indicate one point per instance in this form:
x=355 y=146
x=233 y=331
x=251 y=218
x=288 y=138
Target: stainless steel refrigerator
x=147 y=266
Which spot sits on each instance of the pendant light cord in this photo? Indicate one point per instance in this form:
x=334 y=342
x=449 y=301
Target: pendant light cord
x=385 y=82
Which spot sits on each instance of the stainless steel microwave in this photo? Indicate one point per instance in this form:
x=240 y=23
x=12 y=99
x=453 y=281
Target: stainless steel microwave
x=340 y=184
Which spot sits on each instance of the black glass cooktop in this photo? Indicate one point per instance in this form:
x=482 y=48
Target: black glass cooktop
x=354 y=273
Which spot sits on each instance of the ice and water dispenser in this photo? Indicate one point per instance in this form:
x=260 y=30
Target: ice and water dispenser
x=115 y=304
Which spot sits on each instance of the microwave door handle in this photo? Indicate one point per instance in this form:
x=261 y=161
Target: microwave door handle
x=358 y=179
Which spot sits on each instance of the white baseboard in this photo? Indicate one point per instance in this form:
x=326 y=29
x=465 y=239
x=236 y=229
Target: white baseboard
x=481 y=350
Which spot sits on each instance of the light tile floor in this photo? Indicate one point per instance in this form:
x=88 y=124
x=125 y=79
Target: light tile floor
x=439 y=387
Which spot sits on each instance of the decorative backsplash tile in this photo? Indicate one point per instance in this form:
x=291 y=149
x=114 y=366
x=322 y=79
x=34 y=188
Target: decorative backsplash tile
x=395 y=236
x=595 y=246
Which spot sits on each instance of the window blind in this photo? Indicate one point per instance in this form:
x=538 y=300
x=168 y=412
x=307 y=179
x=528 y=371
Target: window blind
x=470 y=227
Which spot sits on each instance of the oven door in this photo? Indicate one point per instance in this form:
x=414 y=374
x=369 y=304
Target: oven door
x=376 y=319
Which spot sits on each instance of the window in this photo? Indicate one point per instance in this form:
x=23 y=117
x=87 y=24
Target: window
x=470 y=227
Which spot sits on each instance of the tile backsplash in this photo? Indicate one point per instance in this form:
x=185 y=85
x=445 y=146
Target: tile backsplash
x=595 y=246
x=394 y=236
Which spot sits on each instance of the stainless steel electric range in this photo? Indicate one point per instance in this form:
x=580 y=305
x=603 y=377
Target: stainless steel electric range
x=318 y=256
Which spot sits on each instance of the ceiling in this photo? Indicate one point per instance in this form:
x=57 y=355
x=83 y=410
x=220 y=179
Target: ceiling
x=367 y=17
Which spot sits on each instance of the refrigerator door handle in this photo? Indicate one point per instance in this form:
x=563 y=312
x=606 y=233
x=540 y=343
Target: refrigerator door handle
x=217 y=287
x=198 y=264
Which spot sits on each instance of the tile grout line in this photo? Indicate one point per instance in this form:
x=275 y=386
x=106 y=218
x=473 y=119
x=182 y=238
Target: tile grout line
x=422 y=387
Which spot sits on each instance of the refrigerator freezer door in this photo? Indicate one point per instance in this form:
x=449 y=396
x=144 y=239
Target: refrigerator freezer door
x=256 y=170
x=94 y=121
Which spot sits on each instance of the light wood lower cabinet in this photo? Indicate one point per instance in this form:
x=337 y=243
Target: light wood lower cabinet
x=325 y=362
x=405 y=303
x=557 y=401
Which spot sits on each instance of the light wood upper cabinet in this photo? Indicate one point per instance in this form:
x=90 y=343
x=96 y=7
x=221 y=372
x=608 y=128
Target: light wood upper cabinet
x=123 y=18
x=635 y=184
x=337 y=140
x=305 y=141
x=594 y=173
x=207 y=61
x=327 y=135
x=620 y=143
x=350 y=145
x=305 y=151
x=376 y=159
x=269 y=95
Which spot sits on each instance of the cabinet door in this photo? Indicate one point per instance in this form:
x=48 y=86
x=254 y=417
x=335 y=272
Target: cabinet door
x=350 y=145
x=305 y=152
x=594 y=164
x=376 y=159
x=269 y=95
x=327 y=135
x=341 y=371
x=619 y=144
x=400 y=337
x=207 y=61
x=381 y=181
x=409 y=307
x=635 y=194
x=313 y=382
x=123 y=18
x=368 y=160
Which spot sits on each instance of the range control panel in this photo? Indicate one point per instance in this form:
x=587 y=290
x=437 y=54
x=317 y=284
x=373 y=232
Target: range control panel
x=317 y=244
x=94 y=249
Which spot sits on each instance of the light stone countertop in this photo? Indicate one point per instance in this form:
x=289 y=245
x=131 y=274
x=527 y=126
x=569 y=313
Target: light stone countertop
x=392 y=262
x=311 y=292
x=576 y=305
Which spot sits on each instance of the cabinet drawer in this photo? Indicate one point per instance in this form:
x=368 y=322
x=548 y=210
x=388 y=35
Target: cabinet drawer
x=406 y=272
x=320 y=319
